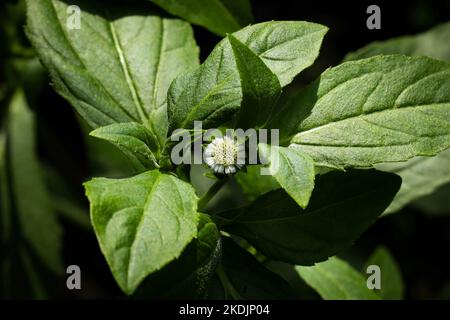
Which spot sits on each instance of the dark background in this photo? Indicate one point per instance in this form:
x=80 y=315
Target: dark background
x=420 y=243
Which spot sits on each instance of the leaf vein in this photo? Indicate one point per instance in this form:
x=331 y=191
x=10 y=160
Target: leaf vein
x=128 y=75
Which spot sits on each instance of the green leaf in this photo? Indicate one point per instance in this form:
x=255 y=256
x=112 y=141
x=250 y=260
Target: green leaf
x=142 y=223
x=260 y=87
x=292 y=169
x=436 y=203
x=342 y=207
x=118 y=66
x=392 y=287
x=218 y=16
x=420 y=177
x=189 y=276
x=241 y=10
x=381 y=109
x=254 y=184
x=335 y=279
x=135 y=141
x=212 y=93
x=243 y=277
x=433 y=43
x=286 y=47
x=38 y=222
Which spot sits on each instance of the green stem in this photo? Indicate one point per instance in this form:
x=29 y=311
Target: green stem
x=211 y=193
x=229 y=288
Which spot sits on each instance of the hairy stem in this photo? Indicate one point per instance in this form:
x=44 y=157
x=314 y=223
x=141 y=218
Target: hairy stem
x=204 y=200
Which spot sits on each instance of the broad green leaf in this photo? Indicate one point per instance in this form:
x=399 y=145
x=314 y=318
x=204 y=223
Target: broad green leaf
x=212 y=93
x=342 y=207
x=118 y=66
x=254 y=184
x=218 y=16
x=335 y=279
x=436 y=203
x=420 y=177
x=292 y=169
x=260 y=87
x=189 y=276
x=38 y=222
x=135 y=140
x=286 y=47
x=392 y=287
x=432 y=43
x=142 y=223
x=243 y=277
x=381 y=109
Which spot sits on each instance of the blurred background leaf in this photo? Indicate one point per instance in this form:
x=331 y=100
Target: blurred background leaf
x=335 y=279
x=432 y=43
x=392 y=287
x=218 y=16
x=38 y=222
x=420 y=176
x=436 y=203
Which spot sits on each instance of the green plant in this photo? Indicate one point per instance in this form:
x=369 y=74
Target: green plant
x=133 y=75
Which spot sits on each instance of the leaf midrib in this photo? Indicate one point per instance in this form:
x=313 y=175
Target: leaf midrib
x=392 y=107
x=158 y=64
x=126 y=72
x=359 y=116
x=70 y=45
x=139 y=226
x=211 y=92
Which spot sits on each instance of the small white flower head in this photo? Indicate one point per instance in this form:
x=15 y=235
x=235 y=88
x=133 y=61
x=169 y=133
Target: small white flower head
x=225 y=155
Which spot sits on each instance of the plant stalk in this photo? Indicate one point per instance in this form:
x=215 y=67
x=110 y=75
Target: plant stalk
x=204 y=200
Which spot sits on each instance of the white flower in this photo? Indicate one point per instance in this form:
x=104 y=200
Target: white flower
x=224 y=155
